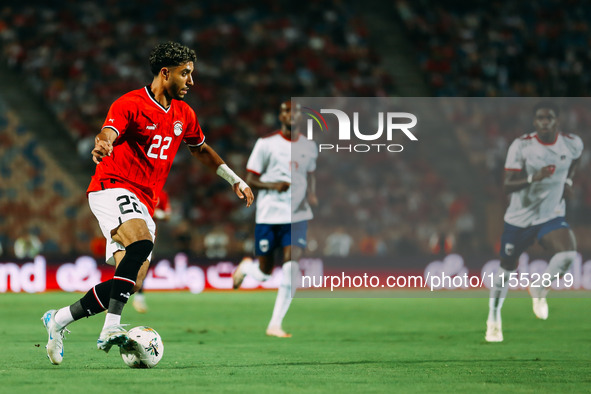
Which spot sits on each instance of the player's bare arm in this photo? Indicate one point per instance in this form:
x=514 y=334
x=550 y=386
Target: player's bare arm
x=517 y=180
x=312 y=198
x=103 y=144
x=206 y=155
x=568 y=184
x=255 y=181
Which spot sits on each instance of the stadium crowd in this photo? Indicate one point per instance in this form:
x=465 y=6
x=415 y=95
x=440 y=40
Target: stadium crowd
x=501 y=48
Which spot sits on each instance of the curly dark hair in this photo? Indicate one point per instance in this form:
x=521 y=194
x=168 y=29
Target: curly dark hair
x=547 y=104
x=170 y=54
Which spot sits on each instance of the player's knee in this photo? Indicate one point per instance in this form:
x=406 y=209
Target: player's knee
x=291 y=273
x=136 y=255
x=296 y=253
x=131 y=231
x=139 y=251
x=509 y=264
x=566 y=258
x=266 y=264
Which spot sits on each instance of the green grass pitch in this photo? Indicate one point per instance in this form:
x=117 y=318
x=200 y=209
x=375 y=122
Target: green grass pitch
x=215 y=342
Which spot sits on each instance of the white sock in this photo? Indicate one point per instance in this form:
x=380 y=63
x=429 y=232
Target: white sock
x=289 y=282
x=559 y=264
x=498 y=294
x=253 y=270
x=112 y=319
x=63 y=317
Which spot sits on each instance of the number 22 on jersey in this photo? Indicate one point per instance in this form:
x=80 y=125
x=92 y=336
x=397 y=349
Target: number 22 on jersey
x=159 y=143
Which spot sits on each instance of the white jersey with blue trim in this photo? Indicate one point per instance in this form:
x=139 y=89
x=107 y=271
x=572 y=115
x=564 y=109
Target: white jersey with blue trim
x=277 y=159
x=541 y=201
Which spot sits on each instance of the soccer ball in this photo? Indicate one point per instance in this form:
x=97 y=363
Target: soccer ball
x=144 y=349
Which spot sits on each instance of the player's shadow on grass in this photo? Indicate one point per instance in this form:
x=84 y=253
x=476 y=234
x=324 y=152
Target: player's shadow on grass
x=317 y=363
x=362 y=362
x=304 y=363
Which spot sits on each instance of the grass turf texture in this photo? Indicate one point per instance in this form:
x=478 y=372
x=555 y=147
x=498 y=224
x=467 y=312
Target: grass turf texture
x=215 y=342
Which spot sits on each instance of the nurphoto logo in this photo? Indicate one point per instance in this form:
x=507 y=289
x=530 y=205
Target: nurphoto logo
x=345 y=126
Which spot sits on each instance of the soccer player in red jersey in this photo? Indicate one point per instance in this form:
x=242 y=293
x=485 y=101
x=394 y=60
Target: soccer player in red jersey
x=134 y=152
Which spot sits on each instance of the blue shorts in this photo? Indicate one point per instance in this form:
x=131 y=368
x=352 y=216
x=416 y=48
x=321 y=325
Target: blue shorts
x=267 y=237
x=515 y=240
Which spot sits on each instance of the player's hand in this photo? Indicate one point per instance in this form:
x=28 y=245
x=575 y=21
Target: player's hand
x=280 y=186
x=312 y=200
x=545 y=172
x=568 y=192
x=244 y=194
x=101 y=149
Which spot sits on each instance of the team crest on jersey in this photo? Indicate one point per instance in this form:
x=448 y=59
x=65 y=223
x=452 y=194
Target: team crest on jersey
x=264 y=245
x=177 y=128
x=509 y=248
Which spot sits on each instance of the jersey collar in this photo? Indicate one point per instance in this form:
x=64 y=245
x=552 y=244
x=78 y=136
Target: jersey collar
x=546 y=143
x=287 y=139
x=153 y=98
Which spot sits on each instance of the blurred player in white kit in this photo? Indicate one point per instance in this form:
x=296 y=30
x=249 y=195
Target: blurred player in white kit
x=281 y=166
x=539 y=170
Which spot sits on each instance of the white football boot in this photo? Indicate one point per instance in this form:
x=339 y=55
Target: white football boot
x=540 y=306
x=494 y=331
x=238 y=275
x=112 y=335
x=55 y=342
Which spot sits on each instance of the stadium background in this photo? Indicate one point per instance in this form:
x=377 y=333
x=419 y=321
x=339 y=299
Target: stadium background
x=63 y=63
x=62 y=66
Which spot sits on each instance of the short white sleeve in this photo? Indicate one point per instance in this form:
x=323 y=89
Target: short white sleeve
x=576 y=146
x=256 y=161
x=514 y=161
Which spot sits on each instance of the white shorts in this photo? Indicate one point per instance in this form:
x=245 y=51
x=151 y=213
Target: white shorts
x=112 y=207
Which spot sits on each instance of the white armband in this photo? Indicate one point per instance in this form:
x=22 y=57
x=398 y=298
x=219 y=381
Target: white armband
x=225 y=172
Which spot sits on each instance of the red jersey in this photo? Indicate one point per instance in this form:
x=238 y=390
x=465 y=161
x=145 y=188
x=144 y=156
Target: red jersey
x=162 y=209
x=163 y=201
x=149 y=137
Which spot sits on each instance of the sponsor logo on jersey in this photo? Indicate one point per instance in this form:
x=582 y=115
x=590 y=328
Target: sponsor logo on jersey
x=177 y=128
x=152 y=127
